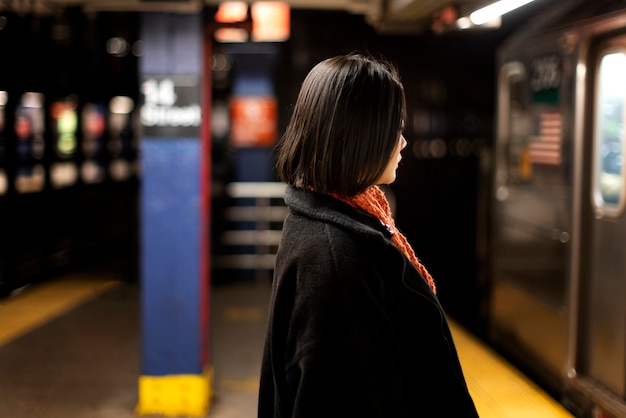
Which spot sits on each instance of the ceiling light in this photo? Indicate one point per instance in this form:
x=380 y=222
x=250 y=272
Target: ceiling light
x=496 y=10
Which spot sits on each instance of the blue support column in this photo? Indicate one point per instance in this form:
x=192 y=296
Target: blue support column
x=176 y=376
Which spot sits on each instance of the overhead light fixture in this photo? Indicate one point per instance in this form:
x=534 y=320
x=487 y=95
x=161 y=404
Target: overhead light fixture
x=495 y=10
x=270 y=21
x=464 y=23
x=232 y=11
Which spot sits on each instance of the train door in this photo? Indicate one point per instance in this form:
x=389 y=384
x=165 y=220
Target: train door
x=531 y=221
x=603 y=341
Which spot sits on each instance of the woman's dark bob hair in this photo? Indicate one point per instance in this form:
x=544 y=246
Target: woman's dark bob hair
x=345 y=124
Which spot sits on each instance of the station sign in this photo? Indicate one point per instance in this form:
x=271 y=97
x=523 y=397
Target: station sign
x=171 y=106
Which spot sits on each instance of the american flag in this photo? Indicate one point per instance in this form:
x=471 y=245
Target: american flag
x=546 y=147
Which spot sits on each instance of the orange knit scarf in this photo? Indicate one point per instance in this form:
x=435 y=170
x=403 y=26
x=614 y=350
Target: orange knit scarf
x=374 y=202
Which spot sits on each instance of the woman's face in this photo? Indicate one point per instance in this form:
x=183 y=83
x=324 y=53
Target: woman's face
x=389 y=175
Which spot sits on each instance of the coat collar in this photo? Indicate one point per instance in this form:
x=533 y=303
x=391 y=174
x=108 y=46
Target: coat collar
x=332 y=210
x=328 y=209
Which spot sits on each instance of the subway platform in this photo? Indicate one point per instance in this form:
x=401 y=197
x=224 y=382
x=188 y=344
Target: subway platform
x=70 y=348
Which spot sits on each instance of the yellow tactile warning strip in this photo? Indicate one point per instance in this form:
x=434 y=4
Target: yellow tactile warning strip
x=499 y=390
x=38 y=304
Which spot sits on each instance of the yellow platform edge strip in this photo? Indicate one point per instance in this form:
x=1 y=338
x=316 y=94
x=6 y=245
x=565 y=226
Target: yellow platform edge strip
x=41 y=303
x=175 y=395
x=499 y=389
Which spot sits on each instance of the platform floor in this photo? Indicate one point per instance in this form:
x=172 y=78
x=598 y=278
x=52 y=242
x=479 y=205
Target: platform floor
x=70 y=348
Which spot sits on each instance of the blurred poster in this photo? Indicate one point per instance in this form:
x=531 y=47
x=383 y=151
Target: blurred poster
x=93 y=126
x=122 y=137
x=64 y=116
x=29 y=129
x=4 y=98
x=254 y=121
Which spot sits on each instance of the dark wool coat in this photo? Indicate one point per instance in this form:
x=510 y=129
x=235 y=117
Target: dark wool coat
x=354 y=330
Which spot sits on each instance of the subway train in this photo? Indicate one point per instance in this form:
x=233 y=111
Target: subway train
x=557 y=229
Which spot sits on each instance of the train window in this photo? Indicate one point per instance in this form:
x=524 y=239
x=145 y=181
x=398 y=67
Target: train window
x=608 y=184
x=513 y=128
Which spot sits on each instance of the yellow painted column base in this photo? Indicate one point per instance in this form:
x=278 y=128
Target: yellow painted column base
x=172 y=395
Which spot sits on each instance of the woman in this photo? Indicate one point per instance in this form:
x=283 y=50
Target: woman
x=355 y=328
